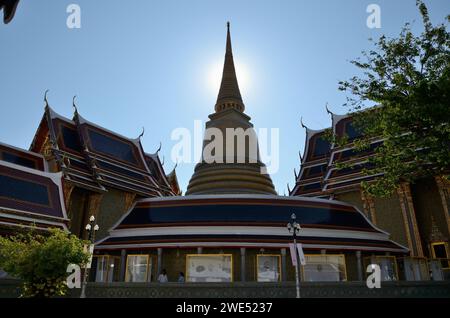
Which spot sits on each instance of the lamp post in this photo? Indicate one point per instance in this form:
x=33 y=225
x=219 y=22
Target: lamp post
x=294 y=228
x=91 y=227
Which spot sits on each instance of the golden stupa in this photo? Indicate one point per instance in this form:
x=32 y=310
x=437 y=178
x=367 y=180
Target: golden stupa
x=237 y=173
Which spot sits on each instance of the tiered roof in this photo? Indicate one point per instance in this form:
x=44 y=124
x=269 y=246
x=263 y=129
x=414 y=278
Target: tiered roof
x=245 y=220
x=319 y=173
x=29 y=194
x=95 y=158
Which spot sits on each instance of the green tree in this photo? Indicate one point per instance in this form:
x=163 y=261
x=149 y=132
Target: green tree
x=41 y=260
x=408 y=79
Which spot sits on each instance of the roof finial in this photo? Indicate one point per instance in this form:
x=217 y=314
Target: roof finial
x=45 y=97
x=173 y=169
x=162 y=163
x=159 y=148
x=295 y=174
x=328 y=110
x=142 y=133
x=288 y=188
x=300 y=155
x=228 y=49
x=73 y=104
x=301 y=123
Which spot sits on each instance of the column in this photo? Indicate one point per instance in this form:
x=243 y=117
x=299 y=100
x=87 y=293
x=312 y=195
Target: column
x=159 y=266
x=67 y=190
x=369 y=206
x=444 y=191
x=123 y=264
x=323 y=252
x=359 y=265
x=409 y=218
x=243 y=263
x=283 y=265
x=199 y=250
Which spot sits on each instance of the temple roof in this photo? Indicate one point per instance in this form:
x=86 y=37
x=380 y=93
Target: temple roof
x=173 y=181
x=29 y=196
x=22 y=157
x=243 y=220
x=319 y=173
x=94 y=158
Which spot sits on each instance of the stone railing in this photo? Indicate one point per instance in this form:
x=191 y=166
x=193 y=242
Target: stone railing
x=11 y=288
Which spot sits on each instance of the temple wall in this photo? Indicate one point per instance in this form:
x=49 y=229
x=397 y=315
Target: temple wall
x=174 y=261
x=352 y=197
x=389 y=218
x=427 y=203
x=250 y=257
x=351 y=265
x=112 y=207
x=76 y=212
x=387 y=212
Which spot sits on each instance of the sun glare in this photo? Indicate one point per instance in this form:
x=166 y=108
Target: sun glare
x=215 y=76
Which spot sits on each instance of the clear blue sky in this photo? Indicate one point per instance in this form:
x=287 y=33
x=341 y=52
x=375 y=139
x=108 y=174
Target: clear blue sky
x=149 y=63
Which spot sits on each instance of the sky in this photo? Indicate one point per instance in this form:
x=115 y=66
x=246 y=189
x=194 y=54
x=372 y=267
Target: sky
x=157 y=64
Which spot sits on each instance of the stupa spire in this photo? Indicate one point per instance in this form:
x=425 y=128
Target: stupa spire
x=230 y=167
x=229 y=93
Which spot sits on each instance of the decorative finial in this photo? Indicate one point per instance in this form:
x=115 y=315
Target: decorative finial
x=301 y=123
x=162 y=163
x=160 y=145
x=289 y=190
x=328 y=110
x=295 y=174
x=73 y=103
x=45 y=98
x=142 y=133
x=300 y=155
x=228 y=25
x=176 y=165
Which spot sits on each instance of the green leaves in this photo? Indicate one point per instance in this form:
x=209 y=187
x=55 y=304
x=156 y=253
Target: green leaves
x=409 y=77
x=41 y=260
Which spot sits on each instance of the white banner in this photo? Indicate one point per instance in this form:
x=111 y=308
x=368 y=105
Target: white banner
x=301 y=256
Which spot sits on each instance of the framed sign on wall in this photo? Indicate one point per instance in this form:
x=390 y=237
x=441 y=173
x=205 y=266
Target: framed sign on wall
x=268 y=268
x=209 y=268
